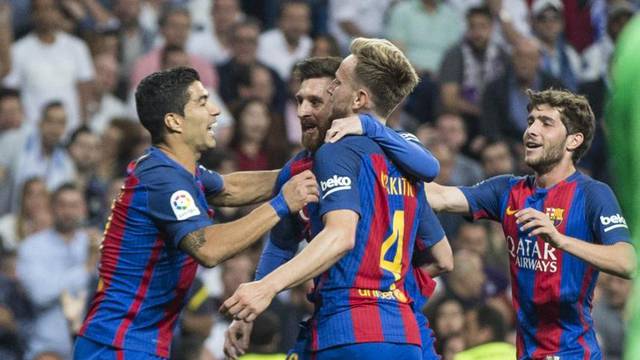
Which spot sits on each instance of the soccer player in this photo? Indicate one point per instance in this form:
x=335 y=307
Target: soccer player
x=561 y=228
x=364 y=227
x=313 y=101
x=160 y=225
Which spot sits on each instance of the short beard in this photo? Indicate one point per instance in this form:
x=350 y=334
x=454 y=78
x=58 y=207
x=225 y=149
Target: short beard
x=549 y=159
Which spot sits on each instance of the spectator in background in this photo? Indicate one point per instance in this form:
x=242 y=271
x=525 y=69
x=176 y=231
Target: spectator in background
x=497 y=159
x=356 y=18
x=52 y=262
x=16 y=310
x=33 y=215
x=450 y=346
x=469 y=66
x=597 y=57
x=425 y=29
x=253 y=142
x=264 y=339
x=40 y=152
x=84 y=149
x=135 y=40
x=120 y=140
x=104 y=105
x=11 y=113
x=504 y=102
x=235 y=271
x=609 y=314
x=485 y=332
x=559 y=59
x=11 y=136
x=213 y=43
x=280 y=48
x=6 y=38
x=258 y=82
x=324 y=46
x=467 y=282
x=244 y=45
x=447 y=317
x=49 y=64
x=175 y=28
x=452 y=131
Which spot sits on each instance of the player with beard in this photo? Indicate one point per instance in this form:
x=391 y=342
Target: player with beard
x=364 y=227
x=561 y=228
x=431 y=257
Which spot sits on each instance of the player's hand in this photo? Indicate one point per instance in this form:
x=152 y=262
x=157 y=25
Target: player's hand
x=300 y=190
x=249 y=301
x=538 y=223
x=236 y=339
x=341 y=127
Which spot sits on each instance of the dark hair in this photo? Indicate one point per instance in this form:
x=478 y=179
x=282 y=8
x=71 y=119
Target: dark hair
x=169 y=10
x=68 y=186
x=161 y=93
x=84 y=129
x=284 y=4
x=247 y=22
x=265 y=330
x=334 y=49
x=575 y=114
x=9 y=93
x=167 y=50
x=482 y=10
x=492 y=318
x=316 y=67
x=50 y=105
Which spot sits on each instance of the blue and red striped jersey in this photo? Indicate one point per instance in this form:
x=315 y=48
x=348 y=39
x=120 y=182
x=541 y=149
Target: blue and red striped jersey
x=552 y=290
x=362 y=297
x=144 y=276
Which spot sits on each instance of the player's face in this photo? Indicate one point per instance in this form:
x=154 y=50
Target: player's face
x=545 y=139
x=199 y=118
x=342 y=89
x=313 y=111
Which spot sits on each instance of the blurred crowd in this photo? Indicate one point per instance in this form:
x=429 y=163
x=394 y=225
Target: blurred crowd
x=68 y=129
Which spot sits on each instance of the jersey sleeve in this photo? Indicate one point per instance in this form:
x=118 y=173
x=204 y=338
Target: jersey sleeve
x=607 y=223
x=403 y=148
x=430 y=230
x=337 y=167
x=484 y=197
x=173 y=206
x=212 y=182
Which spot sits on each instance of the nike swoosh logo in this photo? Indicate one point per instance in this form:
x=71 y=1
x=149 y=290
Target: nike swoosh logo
x=511 y=212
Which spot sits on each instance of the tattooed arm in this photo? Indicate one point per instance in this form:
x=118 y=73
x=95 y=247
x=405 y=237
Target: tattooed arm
x=215 y=243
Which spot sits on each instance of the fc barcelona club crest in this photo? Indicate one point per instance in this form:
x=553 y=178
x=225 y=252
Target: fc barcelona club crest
x=555 y=215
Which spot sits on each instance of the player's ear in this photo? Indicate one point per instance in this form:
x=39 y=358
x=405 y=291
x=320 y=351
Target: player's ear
x=362 y=100
x=173 y=122
x=574 y=141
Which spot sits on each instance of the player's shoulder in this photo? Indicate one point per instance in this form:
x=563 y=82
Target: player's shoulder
x=153 y=166
x=594 y=189
x=349 y=144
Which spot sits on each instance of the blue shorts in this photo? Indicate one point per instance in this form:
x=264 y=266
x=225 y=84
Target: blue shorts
x=87 y=349
x=428 y=338
x=363 y=351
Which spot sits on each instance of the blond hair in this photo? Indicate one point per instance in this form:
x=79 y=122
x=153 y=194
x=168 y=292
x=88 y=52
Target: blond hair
x=385 y=71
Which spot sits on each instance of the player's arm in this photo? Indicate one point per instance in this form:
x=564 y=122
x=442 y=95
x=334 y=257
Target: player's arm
x=404 y=150
x=446 y=198
x=215 y=243
x=245 y=188
x=442 y=259
x=335 y=240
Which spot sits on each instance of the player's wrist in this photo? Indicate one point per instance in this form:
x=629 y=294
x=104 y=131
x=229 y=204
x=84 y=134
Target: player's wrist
x=279 y=204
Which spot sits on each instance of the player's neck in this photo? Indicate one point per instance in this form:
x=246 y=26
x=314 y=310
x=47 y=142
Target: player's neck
x=555 y=175
x=180 y=154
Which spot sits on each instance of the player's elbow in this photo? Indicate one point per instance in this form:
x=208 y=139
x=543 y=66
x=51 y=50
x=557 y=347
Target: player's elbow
x=445 y=265
x=629 y=266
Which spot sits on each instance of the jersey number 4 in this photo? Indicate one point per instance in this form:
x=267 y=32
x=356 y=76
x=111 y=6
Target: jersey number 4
x=396 y=237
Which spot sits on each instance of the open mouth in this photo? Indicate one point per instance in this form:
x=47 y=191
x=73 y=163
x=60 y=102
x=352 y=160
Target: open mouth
x=532 y=145
x=211 y=128
x=308 y=126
